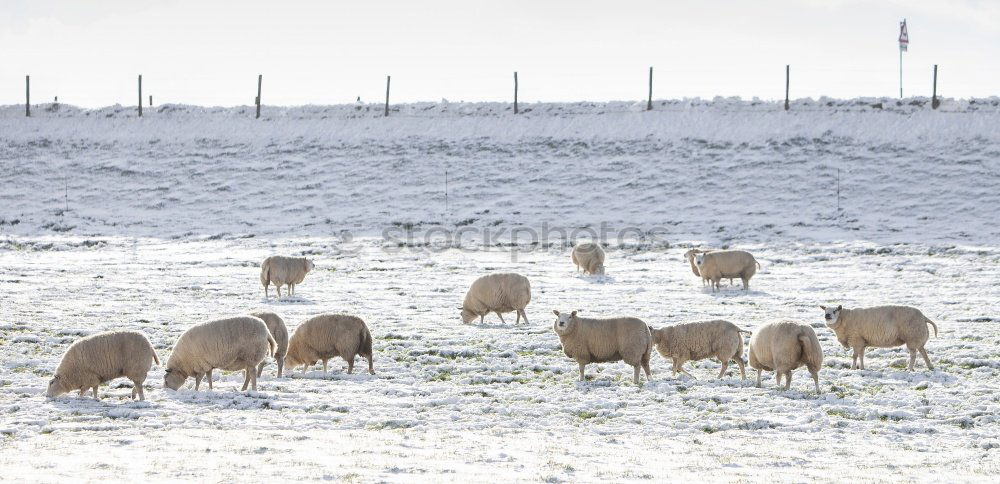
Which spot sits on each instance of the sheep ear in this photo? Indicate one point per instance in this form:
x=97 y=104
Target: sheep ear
x=839 y=307
x=460 y=308
x=573 y=314
x=555 y=312
x=822 y=307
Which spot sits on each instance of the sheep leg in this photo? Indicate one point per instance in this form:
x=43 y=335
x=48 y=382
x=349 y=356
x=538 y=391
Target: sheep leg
x=481 y=318
x=197 y=381
x=788 y=379
x=266 y=295
x=83 y=391
x=260 y=369
x=209 y=379
x=927 y=360
x=518 y=321
x=746 y=284
x=913 y=357
x=138 y=389
x=815 y=375
x=525 y=314
x=278 y=287
x=861 y=358
x=635 y=374
x=743 y=370
x=291 y=289
x=582 y=378
x=758 y=378
x=281 y=365
x=94 y=388
x=645 y=367
x=725 y=365
x=777 y=377
x=350 y=365
x=858 y=351
x=304 y=368
x=133 y=390
x=246 y=379
x=324 y=365
x=501 y=318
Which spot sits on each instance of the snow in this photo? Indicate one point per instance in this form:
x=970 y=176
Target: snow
x=110 y=222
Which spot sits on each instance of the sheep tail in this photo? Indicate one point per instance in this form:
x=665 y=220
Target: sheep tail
x=932 y=324
x=155 y=358
x=366 y=343
x=265 y=273
x=271 y=344
x=812 y=349
x=758 y=263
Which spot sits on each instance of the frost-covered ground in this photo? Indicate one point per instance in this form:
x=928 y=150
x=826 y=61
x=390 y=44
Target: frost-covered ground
x=108 y=222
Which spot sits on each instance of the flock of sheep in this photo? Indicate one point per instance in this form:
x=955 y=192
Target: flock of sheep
x=243 y=343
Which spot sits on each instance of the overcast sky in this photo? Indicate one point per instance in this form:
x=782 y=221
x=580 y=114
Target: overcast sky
x=323 y=52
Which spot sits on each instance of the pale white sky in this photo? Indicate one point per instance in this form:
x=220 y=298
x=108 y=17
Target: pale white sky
x=324 y=52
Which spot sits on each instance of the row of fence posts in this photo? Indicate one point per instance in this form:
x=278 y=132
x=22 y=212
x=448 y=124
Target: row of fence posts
x=388 y=79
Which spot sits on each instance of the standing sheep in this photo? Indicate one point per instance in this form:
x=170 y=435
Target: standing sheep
x=880 y=327
x=602 y=340
x=232 y=344
x=276 y=326
x=325 y=336
x=281 y=270
x=696 y=341
x=689 y=256
x=784 y=346
x=726 y=263
x=101 y=358
x=590 y=257
x=498 y=293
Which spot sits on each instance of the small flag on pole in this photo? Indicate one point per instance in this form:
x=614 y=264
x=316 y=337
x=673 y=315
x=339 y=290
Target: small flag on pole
x=904 y=36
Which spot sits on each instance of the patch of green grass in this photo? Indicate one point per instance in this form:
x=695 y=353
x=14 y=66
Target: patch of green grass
x=586 y=415
x=709 y=429
x=842 y=414
x=442 y=376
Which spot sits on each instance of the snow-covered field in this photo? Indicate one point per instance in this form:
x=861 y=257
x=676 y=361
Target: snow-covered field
x=110 y=222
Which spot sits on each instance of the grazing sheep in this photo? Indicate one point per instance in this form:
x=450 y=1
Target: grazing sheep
x=281 y=270
x=325 y=336
x=232 y=344
x=498 y=293
x=784 y=346
x=602 y=340
x=720 y=264
x=880 y=327
x=276 y=326
x=101 y=358
x=696 y=341
x=590 y=257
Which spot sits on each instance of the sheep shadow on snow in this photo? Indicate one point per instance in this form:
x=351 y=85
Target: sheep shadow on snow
x=287 y=300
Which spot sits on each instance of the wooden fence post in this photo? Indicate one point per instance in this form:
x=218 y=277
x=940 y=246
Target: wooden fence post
x=515 y=92
x=787 y=80
x=140 y=95
x=934 y=100
x=260 y=79
x=27 y=96
x=388 y=79
x=150 y=100
x=649 y=102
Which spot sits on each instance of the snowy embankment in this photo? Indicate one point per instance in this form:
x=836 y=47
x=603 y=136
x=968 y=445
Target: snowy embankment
x=721 y=172
x=111 y=222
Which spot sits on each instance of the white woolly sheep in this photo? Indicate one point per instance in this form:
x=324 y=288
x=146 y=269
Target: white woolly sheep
x=590 y=257
x=784 y=346
x=497 y=293
x=689 y=256
x=326 y=336
x=700 y=340
x=603 y=340
x=276 y=326
x=102 y=357
x=232 y=344
x=720 y=264
x=880 y=327
x=281 y=270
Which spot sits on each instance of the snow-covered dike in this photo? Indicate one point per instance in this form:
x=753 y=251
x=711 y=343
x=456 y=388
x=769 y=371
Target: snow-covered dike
x=110 y=222
x=722 y=171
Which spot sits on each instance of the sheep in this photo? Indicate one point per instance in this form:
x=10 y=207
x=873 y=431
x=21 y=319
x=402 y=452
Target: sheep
x=718 y=264
x=602 y=340
x=498 y=293
x=590 y=257
x=689 y=256
x=233 y=344
x=784 y=346
x=102 y=357
x=282 y=270
x=696 y=341
x=276 y=326
x=325 y=336
x=880 y=327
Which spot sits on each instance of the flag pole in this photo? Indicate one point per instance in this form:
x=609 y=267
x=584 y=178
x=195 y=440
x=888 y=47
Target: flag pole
x=901 y=73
